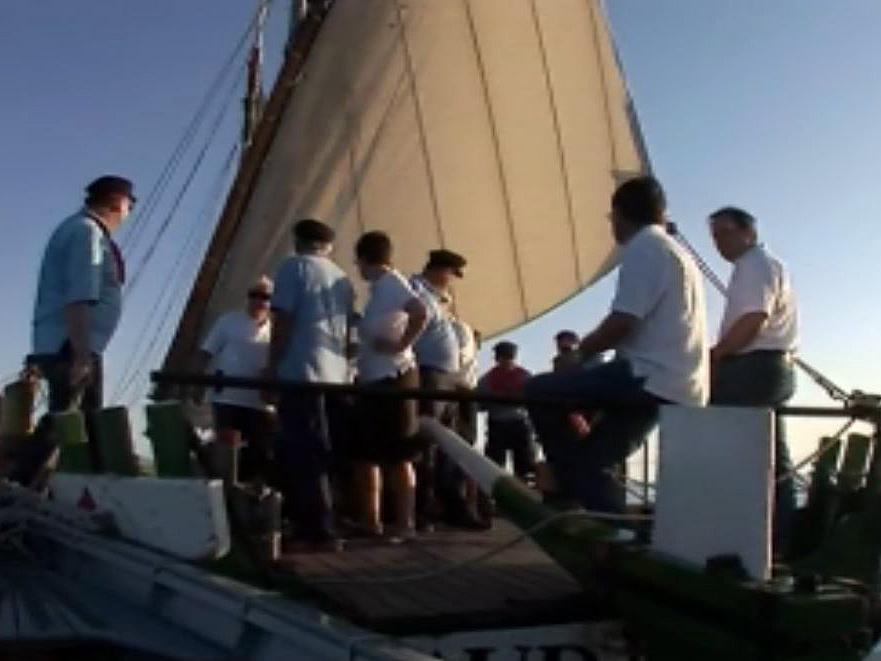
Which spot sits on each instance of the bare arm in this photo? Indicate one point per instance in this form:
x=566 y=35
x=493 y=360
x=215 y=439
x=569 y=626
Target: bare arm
x=611 y=331
x=417 y=317
x=744 y=331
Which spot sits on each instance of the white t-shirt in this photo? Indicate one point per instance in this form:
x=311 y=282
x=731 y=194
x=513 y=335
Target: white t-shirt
x=759 y=283
x=239 y=347
x=659 y=284
x=384 y=316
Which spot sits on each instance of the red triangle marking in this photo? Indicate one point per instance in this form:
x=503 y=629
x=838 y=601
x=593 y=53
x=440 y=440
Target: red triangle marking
x=86 y=502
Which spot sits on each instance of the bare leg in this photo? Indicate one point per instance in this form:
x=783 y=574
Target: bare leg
x=402 y=481
x=226 y=451
x=368 y=482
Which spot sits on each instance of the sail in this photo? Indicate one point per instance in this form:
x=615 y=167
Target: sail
x=495 y=128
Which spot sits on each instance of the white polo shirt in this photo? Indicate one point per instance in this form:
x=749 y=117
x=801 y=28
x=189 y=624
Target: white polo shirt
x=759 y=283
x=385 y=317
x=239 y=347
x=659 y=284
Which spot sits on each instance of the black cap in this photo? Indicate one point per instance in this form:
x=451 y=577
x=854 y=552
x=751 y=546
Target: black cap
x=566 y=334
x=505 y=349
x=109 y=185
x=443 y=258
x=313 y=230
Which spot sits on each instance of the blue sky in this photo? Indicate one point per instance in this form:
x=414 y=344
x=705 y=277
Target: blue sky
x=768 y=105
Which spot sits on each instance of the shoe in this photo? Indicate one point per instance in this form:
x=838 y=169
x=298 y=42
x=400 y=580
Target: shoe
x=328 y=545
x=357 y=529
x=401 y=535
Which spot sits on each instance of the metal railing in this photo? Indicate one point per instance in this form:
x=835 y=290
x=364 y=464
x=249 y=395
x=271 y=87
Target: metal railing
x=868 y=410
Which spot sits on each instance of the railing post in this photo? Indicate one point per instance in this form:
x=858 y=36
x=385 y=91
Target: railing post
x=114 y=439
x=169 y=433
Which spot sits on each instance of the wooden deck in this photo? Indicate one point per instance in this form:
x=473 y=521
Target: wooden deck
x=520 y=586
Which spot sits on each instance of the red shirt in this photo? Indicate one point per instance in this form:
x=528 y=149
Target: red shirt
x=501 y=381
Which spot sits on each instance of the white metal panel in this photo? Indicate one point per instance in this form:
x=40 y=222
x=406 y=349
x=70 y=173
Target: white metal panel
x=184 y=517
x=715 y=480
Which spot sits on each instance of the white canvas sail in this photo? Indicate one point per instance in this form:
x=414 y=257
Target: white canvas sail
x=496 y=128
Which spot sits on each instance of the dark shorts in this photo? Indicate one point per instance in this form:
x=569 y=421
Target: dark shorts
x=253 y=424
x=55 y=368
x=388 y=426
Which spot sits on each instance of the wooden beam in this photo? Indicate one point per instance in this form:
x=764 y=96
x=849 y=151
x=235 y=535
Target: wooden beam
x=185 y=340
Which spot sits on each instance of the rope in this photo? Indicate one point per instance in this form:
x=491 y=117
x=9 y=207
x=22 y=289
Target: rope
x=215 y=127
x=823 y=449
x=130 y=240
x=486 y=555
x=129 y=375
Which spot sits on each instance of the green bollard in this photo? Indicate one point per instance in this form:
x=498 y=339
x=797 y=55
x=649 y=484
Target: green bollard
x=853 y=466
x=873 y=480
x=16 y=418
x=114 y=438
x=170 y=434
x=73 y=444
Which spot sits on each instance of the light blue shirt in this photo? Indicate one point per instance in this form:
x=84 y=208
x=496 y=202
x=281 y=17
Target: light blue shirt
x=319 y=298
x=78 y=267
x=437 y=346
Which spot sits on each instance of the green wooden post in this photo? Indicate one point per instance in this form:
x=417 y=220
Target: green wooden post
x=114 y=438
x=873 y=480
x=170 y=434
x=821 y=487
x=18 y=402
x=853 y=466
x=73 y=445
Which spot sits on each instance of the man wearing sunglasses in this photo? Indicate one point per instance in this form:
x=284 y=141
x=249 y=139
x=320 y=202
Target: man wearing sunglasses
x=238 y=345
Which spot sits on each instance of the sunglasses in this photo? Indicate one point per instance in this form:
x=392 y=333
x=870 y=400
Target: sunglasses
x=259 y=295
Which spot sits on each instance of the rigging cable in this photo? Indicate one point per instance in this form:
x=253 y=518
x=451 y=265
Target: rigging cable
x=140 y=222
x=215 y=127
x=193 y=170
x=129 y=375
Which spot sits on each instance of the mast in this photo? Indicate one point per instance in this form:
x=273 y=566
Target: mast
x=186 y=337
x=254 y=100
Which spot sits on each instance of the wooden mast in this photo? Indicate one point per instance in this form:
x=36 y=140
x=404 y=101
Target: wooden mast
x=254 y=100
x=185 y=340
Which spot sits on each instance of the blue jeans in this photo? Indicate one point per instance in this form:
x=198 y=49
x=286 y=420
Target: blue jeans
x=303 y=451
x=627 y=414
x=763 y=378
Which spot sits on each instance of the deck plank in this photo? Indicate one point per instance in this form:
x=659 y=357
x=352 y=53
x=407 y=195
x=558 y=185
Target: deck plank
x=519 y=586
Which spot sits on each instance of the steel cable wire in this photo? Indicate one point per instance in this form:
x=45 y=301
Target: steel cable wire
x=142 y=219
x=130 y=373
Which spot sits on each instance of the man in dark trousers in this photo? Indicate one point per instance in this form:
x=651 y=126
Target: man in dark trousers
x=437 y=354
x=751 y=364
x=79 y=299
x=656 y=326
x=312 y=306
x=508 y=427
